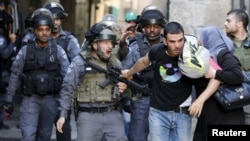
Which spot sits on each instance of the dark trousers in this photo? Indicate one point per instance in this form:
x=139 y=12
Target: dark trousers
x=139 y=127
x=66 y=135
x=1 y=108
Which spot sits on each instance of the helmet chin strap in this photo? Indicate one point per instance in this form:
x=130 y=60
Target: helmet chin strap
x=56 y=28
x=154 y=37
x=43 y=40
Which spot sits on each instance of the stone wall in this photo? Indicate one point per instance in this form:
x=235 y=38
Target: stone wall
x=194 y=14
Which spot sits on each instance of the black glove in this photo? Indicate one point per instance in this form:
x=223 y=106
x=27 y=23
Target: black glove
x=8 y=107
x=127 y=104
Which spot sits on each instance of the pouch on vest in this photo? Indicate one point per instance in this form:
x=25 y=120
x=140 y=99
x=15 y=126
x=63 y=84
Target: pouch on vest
x=42 y=84
x=42 y=71
x=26 y=86
x=89 y=89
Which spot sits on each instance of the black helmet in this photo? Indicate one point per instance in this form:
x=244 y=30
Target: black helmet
x=42 y=16
x=5 y=18
x=106 y=34
x=151 y=15
x=28 y=21
x=56 y=9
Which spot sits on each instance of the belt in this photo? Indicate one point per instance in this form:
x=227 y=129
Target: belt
x=97 y=109
x=139 y=96
x=145 y=95
x=183 y=110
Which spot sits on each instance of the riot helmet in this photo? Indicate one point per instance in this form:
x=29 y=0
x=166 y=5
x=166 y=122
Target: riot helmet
x=130 y=16
x=6 y=21
x=56 y=9
x=42 y=16
x=106 y=34
x=5 y=18
x=28 y=22
x=110 y=21
x=151 y=15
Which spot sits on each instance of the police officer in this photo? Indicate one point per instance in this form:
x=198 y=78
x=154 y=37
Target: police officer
x=236 y=24
x=41 y=66
x=110 y=21
x=128 y=31
x=71 y=46
x=98 y=118
x=7 y=51
x=64 y=38
x=130 y=24
x=151 y=21
x=28 y=34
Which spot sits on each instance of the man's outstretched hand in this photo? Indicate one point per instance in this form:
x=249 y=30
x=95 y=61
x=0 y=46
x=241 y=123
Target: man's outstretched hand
x=125 y=74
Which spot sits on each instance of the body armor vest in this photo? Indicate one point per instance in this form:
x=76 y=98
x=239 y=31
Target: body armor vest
x=89 y=91
x=41 y=72
x=143 y=48
x=63 y=41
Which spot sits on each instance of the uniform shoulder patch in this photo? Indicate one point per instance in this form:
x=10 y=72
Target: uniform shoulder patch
x=71 y=67
x=1 y=41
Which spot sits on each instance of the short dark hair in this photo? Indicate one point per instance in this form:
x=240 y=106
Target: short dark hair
x=173 y=28
x=240 y=15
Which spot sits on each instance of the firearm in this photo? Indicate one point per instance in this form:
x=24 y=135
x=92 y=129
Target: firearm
x=113 y=76
x=75 y=107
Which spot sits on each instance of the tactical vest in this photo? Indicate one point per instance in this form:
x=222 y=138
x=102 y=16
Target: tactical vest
x=143 y=47
x=63 y=41
x=146 y=74
x=89 y=91
x=41 y=72
x=243 y=55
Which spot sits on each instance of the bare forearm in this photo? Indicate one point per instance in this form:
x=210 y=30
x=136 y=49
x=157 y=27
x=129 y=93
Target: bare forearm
x=141 y=64
x=196 y=107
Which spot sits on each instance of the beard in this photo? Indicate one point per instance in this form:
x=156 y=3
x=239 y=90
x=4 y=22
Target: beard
x=101 y=55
